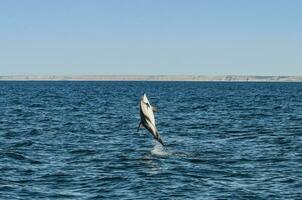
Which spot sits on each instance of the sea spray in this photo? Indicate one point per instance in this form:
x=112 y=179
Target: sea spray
x=159 y=150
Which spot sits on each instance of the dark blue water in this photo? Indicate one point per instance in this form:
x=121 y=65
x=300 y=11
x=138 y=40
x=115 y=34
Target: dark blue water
x=78 y=140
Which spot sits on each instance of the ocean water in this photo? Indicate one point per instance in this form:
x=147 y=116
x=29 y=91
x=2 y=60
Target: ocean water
x=79 y=140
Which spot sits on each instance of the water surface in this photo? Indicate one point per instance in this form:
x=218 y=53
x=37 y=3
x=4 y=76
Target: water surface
x=78 y=140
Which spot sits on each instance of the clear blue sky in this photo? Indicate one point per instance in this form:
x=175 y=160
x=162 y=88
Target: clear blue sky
x=214 y=37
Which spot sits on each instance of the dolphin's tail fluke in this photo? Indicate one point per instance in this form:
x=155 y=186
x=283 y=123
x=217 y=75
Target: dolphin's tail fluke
x=157 y=137
x=160 y=141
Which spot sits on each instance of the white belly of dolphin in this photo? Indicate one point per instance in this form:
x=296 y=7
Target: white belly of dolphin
x=148 y=112
x=148 y=119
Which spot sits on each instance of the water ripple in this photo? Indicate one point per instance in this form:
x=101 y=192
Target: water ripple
x=78 y=140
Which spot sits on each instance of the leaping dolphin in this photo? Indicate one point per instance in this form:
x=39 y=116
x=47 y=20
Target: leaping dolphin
x=147 y=118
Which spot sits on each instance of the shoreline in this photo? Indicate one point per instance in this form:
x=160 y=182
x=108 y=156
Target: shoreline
x=189 y=78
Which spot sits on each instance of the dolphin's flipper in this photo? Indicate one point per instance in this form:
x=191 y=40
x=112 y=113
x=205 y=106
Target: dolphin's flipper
x=140 y=126
x=154 y=109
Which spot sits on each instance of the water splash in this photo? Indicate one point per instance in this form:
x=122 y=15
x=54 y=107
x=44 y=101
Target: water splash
x=159 y=150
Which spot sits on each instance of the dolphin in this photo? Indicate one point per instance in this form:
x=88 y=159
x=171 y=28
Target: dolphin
x=147 y=118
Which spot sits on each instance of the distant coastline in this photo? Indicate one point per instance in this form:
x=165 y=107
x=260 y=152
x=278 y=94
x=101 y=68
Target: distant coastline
x=233 y=78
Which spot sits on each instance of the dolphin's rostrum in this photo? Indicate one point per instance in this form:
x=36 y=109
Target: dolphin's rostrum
x=147 y=118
